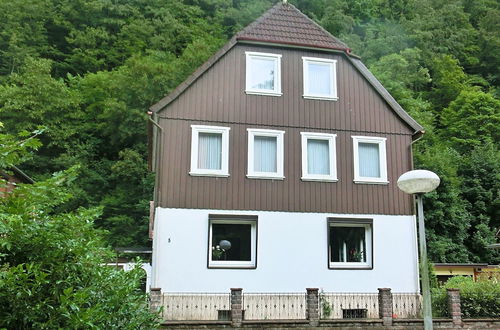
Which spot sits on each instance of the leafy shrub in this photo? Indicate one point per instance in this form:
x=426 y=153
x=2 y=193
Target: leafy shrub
x=478 y=299
x=52 y=266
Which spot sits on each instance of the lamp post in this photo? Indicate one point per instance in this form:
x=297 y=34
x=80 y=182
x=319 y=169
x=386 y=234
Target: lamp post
x=419 y=182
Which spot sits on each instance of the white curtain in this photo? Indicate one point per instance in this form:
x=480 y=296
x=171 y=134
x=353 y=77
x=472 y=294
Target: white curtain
x=265 y=158
x=263 y=73
x=318 y=160
x=369 y=160
x=209 y=151
x=319 y=79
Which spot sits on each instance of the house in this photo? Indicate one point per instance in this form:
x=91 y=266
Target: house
x=276 y=165
x=445 y=271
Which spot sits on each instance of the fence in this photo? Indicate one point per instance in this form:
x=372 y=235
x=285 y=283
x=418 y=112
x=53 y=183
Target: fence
x=348 y=305
x=196 y=306
x=310 y=307
x=274 y=306
x=407 y=305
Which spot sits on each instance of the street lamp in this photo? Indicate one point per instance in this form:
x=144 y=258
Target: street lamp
x=419 y=182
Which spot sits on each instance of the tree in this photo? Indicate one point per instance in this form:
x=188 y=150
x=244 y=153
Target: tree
x=472 y=119
x=52 y=271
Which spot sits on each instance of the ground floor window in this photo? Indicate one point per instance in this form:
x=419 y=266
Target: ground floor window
x=232 y=241
x=350 y=243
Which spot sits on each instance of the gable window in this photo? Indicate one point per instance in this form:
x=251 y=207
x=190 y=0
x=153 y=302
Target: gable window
x=209 y=150
x=265 y=154
x=370 y=165
x=232 y=241
x=318 y=157
x=350 y=243
x=263 y=73
x=320 y=78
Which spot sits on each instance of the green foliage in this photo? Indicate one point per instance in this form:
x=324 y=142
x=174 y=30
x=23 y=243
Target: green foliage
x=478 y=299
x=471 y=120
x=53 y=273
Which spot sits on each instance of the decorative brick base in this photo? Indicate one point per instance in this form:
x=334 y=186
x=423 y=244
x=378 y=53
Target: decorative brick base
x=312 y=308
x=454 y=306
x=155 y=299
x=236 y=307
x=385 y=305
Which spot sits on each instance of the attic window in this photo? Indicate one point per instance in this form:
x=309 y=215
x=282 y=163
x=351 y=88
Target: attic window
x=320 y=78
x=263 y=74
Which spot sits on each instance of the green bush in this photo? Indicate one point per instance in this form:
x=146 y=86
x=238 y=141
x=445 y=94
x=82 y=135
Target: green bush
x=52 y=266
x=478 y=299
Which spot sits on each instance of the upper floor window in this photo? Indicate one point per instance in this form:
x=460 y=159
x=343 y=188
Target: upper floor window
x=370 y=165
x=318 y=157
x=320 y=78
x=263 y=73
x=265 y=154
x=209 y=150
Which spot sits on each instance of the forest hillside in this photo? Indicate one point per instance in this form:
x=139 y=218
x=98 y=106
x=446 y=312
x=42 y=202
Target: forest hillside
x=84 y=72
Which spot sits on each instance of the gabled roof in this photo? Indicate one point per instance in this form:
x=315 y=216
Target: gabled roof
x=284 y=25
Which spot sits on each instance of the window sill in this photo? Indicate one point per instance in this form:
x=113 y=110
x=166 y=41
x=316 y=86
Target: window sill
x=348 y=266
x=219 y=175
x=265 y=177
x=371 y=182
x=263 y=93
x=325 y=98
x=319 y=179
x=227 y=266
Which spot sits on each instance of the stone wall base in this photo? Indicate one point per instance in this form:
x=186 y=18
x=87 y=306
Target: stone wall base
x=411 y=324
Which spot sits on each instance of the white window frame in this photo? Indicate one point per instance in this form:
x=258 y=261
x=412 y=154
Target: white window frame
x=381 y=142
x=195 y=133
x=333 y=78
x=277 y=74
x=360 y=223
x=251 y=173
x=331 y=138
x=231 y=263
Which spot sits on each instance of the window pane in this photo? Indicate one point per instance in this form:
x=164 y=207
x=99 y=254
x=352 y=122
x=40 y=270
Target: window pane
x=347 y=244
x=318 y=160
x=238 y=235
x=369 y=160
x=262 y=73
x=319 y=79
x=265 y=157
x=209 y=151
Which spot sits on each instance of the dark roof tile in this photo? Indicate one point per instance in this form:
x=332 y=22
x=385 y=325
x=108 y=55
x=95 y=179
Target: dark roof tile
x=285 y=24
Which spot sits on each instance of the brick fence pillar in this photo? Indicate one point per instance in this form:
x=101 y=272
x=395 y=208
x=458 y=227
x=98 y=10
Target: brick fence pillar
x=236 y=307
x=454 y=306
x=312 y=308
x=155 y=299
x=385 y=305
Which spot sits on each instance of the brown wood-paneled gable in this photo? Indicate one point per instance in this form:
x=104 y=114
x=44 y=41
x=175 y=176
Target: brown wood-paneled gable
x=218 y=95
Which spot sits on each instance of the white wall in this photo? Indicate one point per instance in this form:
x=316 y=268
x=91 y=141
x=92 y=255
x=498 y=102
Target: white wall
x=291 y=254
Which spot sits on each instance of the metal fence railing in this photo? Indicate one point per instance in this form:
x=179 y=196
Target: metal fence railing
x=348 y=305
x=274 y=306
x=407 y=305
x=196 y=306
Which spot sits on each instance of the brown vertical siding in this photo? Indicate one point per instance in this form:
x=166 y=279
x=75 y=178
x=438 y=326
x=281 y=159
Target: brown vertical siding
x=218 y=98
x=218 y=95
x=180 y=190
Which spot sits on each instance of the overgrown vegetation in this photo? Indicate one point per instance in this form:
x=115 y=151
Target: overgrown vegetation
x=478 y=299
x=88 y=70
x=52 y=262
